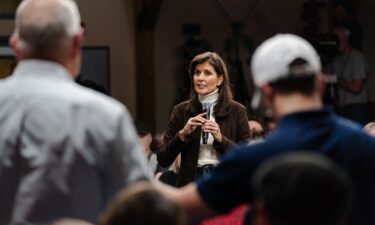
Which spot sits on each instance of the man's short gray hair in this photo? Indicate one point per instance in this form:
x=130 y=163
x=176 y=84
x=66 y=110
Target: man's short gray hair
x=43 y=27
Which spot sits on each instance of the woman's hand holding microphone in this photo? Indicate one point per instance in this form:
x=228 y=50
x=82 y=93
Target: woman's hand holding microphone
x=207 y=126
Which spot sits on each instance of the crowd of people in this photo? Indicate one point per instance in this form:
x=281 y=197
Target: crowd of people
x=70 y=155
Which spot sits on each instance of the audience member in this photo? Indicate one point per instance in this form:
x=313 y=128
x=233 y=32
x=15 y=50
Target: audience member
x=145 y=137
x=69 y=221
x=170 y=175
x=64 y=149
x=142 y=204
x=351 y=69
x=256 y=130
x=157 y=141
x=225 y=122
x=370 y=128
x=301 y=189
x=343 y=16
x=287 y=70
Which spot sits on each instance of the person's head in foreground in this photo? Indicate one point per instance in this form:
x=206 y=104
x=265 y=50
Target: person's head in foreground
x=48 y=30
x=370 y=128
x=69 y=221
x=142 y=204
x=303 y=188
x=287 y=70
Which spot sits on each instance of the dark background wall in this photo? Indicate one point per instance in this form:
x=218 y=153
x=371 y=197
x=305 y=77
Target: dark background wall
x=270 y=17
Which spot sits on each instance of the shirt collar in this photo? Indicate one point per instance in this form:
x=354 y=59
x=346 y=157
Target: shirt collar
x=314 y=117
x=40 y=68
x=210 y=98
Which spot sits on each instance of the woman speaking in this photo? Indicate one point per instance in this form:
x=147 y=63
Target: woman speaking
x=202 y=128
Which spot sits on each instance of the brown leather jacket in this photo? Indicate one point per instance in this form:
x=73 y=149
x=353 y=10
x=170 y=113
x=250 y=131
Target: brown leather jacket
x=234 y=128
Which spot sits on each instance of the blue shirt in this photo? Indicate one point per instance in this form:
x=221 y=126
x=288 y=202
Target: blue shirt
x=321 y=131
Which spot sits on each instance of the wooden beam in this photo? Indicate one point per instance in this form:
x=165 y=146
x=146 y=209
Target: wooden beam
x=146 y=18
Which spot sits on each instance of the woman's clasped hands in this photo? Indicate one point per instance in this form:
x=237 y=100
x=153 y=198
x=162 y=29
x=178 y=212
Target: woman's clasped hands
x=208 y=126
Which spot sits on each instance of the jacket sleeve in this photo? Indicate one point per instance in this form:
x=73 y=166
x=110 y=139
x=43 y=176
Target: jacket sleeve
x=172 y=144
x=241 y=127
x=224 y=145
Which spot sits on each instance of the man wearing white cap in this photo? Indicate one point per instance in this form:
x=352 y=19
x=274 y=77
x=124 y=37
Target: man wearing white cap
x=286 y=69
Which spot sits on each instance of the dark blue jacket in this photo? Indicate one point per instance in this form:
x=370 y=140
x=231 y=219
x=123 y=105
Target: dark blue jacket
x=320 y=131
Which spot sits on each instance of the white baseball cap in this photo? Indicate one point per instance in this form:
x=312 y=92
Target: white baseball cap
x=271 y=60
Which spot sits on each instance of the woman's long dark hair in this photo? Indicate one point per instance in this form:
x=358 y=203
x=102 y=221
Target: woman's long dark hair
x=222 y=107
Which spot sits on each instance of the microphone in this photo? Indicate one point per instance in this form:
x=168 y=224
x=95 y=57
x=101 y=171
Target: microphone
x=206 y=108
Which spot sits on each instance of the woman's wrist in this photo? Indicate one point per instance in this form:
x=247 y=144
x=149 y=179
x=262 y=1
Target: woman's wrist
x=182 y=135
x=219 y=140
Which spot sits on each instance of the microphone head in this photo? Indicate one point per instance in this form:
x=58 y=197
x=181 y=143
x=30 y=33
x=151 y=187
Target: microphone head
x=206 y=106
